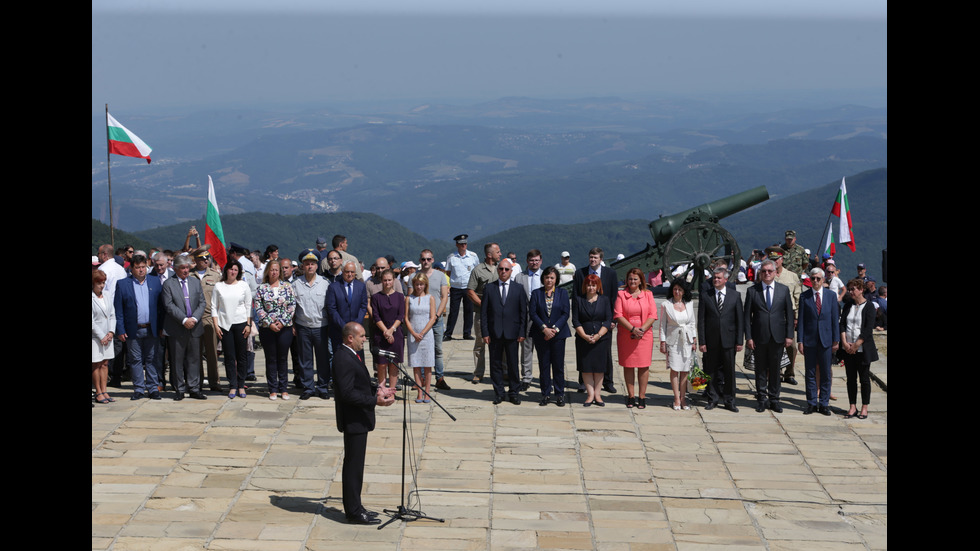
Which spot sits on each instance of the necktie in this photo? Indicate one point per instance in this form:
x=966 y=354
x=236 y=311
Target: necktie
x=768 y=297
x=187 y=299
x=350 y=291
x=721 y=299
x=817 y=296
x=503 y=293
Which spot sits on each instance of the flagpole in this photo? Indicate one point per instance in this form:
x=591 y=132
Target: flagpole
x=112 y=238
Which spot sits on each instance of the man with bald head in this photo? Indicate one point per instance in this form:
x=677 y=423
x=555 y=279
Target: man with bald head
x=503 y=319
x=346 y=302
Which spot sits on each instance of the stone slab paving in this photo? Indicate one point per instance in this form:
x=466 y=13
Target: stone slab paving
x=253 y=474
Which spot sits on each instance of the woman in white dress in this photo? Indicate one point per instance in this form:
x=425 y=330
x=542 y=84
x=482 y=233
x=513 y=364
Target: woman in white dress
x=103 y=327
x=420 y=316
x=678 y=338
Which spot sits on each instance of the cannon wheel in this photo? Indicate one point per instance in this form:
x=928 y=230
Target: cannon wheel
x=699 y=244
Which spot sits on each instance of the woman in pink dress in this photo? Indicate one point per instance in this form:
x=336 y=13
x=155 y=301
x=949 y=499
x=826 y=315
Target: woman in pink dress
x=635 y=313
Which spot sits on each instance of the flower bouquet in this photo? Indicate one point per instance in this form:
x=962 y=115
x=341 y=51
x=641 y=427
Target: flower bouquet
x=697 y=377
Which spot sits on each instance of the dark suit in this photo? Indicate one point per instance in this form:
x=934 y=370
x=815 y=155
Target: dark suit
x=551 y=353
x=141 y=339
x=185 y=344
x=720 y=331
x=610 y=286
x=818 y=333
x=504 y=322
x=355 y=401
x=340 y=310
x=768 y=328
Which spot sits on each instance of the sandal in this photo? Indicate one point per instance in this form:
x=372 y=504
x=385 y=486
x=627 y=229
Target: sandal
x=100 y=401
x=630 y=402
x=111 y=399
x=642 y=404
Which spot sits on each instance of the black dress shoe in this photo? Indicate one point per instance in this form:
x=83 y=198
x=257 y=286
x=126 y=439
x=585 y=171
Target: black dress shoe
x=516 y=400
x=711 y=405
x=197 y=396
x=732 y=407
x=560 y=401
x=468 y=338
x=761 y=407
x=525 y=386
x=610 y=388
x=497 y=400
x=322 y=394
x=776 y=407
x=442 y=385
x=363 y=518
x=824 y=410
x=154 y=395
x=447 y=338
x=179 y=396
x=790 y=380
x=545 y=401
x=372 y=514
x=809 y=409
x=306 y=395
x=250 y=378
x=137 y=396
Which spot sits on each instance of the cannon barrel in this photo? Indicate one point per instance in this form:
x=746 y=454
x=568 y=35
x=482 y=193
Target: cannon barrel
x=663 y=228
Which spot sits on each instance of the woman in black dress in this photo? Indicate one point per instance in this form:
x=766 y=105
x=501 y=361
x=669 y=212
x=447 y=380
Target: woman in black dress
x=592 y=316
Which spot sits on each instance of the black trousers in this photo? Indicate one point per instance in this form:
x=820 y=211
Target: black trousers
x=767 y=377
x=719 y=364
x=455 y=296
x=499 y=350
x=857 y=369
x=355 y=448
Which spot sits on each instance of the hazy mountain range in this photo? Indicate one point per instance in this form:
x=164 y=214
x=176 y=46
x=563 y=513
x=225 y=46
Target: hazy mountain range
x=440 y=170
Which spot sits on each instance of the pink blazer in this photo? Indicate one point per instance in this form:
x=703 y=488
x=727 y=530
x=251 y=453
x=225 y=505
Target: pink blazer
x=648 y=307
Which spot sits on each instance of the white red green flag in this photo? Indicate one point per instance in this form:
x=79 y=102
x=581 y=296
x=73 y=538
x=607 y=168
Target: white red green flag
x=828 y=247
x=845 y=233
x=213 y=234
x=123 y=142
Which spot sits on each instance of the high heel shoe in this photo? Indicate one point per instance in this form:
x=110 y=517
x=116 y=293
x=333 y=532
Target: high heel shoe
x=631 y=401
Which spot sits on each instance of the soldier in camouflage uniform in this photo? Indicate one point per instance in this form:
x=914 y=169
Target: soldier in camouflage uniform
x=794 y=256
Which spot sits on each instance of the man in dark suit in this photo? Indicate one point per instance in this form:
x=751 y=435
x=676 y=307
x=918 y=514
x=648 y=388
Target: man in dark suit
x=346 y=302
x=138 y=322
x=610 y=289
x=503 y=317
x=768 y=330
x=355 y=401
x=183 y=302
x=720 y=320
x=817 y=338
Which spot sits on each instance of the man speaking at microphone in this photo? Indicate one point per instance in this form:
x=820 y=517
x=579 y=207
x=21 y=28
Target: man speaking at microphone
x=355 y=403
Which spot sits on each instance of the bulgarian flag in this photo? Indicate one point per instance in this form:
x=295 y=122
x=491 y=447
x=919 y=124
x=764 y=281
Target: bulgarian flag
x=213 y=234
x=123 y=142
x=828 y=247
x=842 y=210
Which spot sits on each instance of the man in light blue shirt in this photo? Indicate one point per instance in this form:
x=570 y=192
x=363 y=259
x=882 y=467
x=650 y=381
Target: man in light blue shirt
x=459 y=265
x=310 y=328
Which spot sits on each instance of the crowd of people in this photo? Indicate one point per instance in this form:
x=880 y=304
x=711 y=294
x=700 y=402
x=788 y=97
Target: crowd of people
x=176 y=312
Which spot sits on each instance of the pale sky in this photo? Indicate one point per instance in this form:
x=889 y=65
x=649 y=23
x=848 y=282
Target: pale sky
x=175 y=53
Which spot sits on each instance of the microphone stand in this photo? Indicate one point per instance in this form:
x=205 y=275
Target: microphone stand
x=403 y=512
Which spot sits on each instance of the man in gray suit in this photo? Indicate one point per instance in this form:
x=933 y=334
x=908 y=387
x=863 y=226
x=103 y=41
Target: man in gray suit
x=720 y=320
x=183 y=303
x=768 y=330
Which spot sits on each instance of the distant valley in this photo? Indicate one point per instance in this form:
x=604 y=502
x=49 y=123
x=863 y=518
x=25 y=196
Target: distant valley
x=443 y=170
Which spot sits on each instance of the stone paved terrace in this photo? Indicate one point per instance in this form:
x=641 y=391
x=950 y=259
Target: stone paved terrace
x=253 y=474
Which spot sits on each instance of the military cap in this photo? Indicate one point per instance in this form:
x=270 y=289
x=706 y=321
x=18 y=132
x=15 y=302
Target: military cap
x=461 y=238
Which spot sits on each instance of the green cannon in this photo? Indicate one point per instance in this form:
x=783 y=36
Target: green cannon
x=693 y=239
